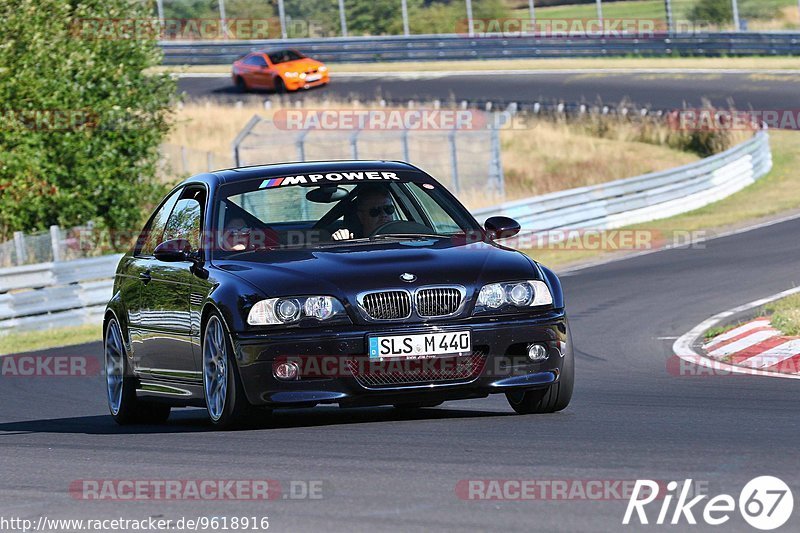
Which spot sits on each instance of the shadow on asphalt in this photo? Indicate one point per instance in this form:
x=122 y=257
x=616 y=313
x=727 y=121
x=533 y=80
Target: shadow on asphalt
x=232 y=90
x=195 y=420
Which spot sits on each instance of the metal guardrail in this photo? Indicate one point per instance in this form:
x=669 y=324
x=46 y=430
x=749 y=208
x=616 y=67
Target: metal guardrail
x=57 y=294
x=643 y=198
x=75 y=292
x=461 y=47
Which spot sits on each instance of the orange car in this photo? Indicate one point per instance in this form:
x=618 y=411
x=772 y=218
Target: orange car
x=280 y=71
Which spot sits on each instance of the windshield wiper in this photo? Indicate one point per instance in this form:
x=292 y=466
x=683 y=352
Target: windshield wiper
x=415 y=236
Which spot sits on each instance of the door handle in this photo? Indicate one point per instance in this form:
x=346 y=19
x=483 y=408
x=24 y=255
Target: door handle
x=145 y=277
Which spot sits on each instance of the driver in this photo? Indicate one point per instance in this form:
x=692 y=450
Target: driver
x=374 y=208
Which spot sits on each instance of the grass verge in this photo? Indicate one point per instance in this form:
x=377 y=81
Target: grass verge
x=28 y=341
x=711 y=63
x=785 y=315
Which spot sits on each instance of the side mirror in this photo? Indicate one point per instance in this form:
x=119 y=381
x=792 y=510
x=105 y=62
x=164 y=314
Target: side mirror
x=501 y=227
x=174 y=251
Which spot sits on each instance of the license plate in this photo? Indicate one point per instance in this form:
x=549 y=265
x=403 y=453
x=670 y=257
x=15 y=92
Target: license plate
x=314 y=77
x=422 y=345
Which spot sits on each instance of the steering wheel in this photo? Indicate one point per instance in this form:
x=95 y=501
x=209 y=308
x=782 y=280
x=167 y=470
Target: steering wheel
x=401 y=226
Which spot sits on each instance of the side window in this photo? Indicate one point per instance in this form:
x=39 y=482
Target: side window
x=257 y=61
x=441 y=220
x=185 y=220
x=151 y=235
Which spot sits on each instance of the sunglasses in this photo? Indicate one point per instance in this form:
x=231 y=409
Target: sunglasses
x=376 y=211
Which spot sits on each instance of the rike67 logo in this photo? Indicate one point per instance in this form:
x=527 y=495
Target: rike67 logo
x=765 y=503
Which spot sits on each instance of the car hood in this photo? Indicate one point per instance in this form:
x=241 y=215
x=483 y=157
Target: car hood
x=345 y=271
x=298 y=65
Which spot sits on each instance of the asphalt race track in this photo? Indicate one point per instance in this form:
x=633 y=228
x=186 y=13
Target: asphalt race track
x=630 y=418
x=763 y=91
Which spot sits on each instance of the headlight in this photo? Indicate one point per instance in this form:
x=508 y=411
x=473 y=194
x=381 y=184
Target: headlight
x=323 y=68
x=275 y=311
x=291 y=74
x=513 y=295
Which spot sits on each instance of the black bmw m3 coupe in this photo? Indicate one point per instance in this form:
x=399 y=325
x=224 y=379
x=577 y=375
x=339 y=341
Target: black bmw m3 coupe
x=354 y=283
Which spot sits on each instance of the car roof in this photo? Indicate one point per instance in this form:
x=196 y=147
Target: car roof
x=233 y=175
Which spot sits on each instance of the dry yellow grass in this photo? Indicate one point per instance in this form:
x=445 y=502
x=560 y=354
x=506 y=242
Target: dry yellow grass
x=555 y=156
x=540 y=156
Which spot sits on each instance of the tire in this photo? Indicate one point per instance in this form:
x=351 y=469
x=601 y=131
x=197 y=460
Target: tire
x=553 y=398
x=280 y=87
x=123 y=404
x=416 y=405
x=241 y=85
x=225 y=399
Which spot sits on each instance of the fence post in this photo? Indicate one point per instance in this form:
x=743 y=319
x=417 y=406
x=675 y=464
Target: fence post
x=354 y=144
x=209 y=160
x=282 y=18
x=19 y=246
x=55 y=242
x=404 y=139
x=342 y=18
x=454 y=160
x=241 y=137
x=301 y=145
x=496 y=164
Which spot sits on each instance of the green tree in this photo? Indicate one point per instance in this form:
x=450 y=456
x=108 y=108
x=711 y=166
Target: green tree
x=80 y=119
x=713 y=11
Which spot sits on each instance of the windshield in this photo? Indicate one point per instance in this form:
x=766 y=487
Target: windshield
x=268 y=214
x=284 y=56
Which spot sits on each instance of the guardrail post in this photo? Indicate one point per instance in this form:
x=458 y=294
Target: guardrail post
x=454 y=160
x=19 y=247
x=404 y=140
x=55 y=242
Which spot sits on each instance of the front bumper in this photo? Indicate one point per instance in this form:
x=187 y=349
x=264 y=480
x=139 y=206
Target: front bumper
x=295 y=84
x=501 y=342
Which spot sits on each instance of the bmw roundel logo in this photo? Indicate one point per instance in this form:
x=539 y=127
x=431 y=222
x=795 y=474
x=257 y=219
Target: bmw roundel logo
x=408 y=277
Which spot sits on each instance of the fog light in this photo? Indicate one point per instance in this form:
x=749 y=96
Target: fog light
x=286 y=371
x=537 y=352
